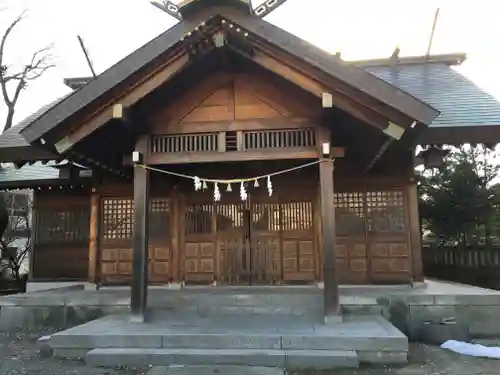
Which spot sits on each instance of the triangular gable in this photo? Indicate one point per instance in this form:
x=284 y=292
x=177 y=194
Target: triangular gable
x=236 y=97
x=91 y=96
x=335 y=67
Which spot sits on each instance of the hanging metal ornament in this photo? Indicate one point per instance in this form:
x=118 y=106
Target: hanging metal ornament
x=243 y=192
x=204 y=186
x=229 y=189
x=269 y=186
x=197 y=183
x=256 y=184
x=216 y=193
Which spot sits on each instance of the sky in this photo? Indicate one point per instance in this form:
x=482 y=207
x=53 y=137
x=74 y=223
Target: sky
x=360 y=29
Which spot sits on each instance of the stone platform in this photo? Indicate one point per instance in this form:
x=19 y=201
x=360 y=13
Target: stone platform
x=271 y=340
x=404 y=306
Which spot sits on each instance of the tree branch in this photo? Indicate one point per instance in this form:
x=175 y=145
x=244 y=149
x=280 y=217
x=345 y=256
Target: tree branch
x=41 y=61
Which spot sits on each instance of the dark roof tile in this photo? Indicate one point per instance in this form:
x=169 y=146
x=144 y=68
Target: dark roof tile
x=460 y=100
x=34 y=172
x=12 y=136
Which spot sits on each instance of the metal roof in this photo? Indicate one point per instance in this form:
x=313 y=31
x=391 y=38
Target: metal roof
x=460 y=100
x=28 y=173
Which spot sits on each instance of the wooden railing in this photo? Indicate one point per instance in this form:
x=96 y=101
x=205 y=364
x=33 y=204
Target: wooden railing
x=204 y=142
x=478 y=265
x=253 y=140
x=277 y=139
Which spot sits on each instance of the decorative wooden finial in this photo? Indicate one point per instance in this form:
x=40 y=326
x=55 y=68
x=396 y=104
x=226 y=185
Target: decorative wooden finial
x=395 y=53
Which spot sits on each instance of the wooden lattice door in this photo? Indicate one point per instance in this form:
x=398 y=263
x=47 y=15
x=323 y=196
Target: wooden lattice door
x=264 y=239
x=117 y=219
x=388 y=236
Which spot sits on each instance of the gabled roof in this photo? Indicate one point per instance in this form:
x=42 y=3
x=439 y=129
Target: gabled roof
x=13 y=146
x=106 y=81
x=27 y=174
x=461 y=101
x=464 y=106
x=335 y=67
x=160 y=47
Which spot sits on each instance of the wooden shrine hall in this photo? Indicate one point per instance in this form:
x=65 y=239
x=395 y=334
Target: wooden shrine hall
x=227 y=152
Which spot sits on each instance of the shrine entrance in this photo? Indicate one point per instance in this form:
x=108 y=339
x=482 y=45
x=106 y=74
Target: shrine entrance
x=263 y=240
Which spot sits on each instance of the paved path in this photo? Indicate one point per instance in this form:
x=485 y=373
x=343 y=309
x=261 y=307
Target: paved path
x=18 y=355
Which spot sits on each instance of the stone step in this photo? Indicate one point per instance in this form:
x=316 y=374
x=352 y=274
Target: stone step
x=266 y=303
x=231 y=340
x=287 y=359
x=215 y=370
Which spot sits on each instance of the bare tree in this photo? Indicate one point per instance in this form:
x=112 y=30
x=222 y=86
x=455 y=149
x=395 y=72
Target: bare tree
x=16 y=79
x=16 y=241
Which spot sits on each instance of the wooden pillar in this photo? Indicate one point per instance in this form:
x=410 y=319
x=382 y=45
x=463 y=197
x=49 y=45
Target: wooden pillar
x=330 y=277
x=415 y=232
x=139 y=292
x=93 y=276
x=32 y=234
x=174 y=228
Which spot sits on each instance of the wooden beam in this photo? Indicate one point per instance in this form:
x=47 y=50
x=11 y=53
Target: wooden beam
x=127 y=99
x=341 y=87
x=34 y=225
x=415 y=232
x=139 y=290
x=176 y=237
x=316 y=88
x=228 y=126
x=330 y=278
x=94 y=239
x=214 y=157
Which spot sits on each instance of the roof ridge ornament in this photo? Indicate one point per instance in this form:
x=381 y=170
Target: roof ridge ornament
x=267 y=7
x=174 y=9
x=168 y=7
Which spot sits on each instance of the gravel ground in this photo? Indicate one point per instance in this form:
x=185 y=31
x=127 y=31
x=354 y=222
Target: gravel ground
x=18 y=355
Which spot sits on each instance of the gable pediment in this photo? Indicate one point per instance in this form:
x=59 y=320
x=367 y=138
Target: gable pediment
x=233 y=97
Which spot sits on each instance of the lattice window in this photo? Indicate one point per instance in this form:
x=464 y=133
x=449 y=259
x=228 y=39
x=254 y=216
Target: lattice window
x=159 y=218
x=62 y=226
x=386 y=211
x=266 y=216
x=229 y=216
x=118 y=217
x=185 y=143
x=198 y=219
x=349 y=213
x=290 y=138
x=296 y=216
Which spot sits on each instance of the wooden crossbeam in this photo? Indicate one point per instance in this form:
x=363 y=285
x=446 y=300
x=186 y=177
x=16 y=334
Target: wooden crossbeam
x=318 y=89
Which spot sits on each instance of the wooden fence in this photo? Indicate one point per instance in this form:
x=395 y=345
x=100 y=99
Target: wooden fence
x=478 y=265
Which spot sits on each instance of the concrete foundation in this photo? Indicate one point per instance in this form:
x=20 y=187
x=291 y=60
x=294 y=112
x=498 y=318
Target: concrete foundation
x=407 y=308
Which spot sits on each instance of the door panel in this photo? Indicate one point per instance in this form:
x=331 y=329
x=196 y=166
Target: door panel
x=265 y=241
x=258 y=241
x=199 y=248
x=388 y=238
x=299 y=255
x=116 y=240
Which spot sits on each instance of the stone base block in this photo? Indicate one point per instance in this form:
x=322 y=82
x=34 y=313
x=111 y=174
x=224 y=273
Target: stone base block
x=290 y=360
